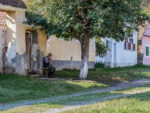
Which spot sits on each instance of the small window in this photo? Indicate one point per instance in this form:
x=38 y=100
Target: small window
x=129 y=46
x=107 y=43
x=125 y=45
x=147 y=50
x=131 y=40
x=134 y=47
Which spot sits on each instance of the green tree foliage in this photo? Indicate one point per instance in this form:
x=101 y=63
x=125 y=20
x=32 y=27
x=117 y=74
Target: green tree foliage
x=86 y=19
x=145 y=3
x=101 y=48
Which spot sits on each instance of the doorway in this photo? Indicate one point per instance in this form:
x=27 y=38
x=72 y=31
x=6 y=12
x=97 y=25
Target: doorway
x=28 y=50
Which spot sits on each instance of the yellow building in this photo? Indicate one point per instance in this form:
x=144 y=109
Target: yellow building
x=23 y=47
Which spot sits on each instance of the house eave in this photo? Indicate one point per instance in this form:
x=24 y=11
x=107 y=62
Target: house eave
x=10 y=8
x=31 y=27
x=146 y=35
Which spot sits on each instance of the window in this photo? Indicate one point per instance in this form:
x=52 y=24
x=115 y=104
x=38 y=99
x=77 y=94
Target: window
x=125 y=45
x=107 y=43
x=129 y=44
x=147 y=50
x=131 y=40
x=134 y=47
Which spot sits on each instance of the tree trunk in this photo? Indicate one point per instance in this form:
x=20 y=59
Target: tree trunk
x=84 y=46
x=84 y=58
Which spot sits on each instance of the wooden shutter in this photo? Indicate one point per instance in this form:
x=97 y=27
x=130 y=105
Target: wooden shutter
x=129 y=46
x=125 y=47
x=147 y=50
x=133 y=47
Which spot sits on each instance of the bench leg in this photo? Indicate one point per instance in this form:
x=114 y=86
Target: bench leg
x=45 y=72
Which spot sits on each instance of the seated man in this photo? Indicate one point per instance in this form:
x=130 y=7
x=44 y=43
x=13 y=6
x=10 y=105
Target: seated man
x=47 y=63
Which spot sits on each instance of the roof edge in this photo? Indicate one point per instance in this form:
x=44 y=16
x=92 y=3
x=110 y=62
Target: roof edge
x=11 y=8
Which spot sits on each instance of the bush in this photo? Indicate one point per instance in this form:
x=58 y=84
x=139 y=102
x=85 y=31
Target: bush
x=101 y=48
x=99 y=65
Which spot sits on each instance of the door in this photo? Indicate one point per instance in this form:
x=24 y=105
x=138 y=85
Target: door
x=28 y=50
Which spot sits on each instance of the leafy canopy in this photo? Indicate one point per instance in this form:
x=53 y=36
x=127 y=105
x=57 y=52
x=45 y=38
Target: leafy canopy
x=101 y=18
x=101 y=47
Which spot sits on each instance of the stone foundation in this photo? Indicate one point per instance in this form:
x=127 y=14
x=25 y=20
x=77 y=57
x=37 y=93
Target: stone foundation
x=109 y=64
x=61 y=64
x=21 y=64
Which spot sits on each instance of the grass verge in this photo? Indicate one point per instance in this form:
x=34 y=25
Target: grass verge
x=43 y=107
x=15 y=88
x=110 y=76
x=138 y=103
x=40 y=108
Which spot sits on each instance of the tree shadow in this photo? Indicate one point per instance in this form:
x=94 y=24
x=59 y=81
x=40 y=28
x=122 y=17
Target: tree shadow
x=15 y=88
x=109 y=76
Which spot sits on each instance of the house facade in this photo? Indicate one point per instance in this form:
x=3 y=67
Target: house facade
x=22 y=47
x=145 y=45
x=120 y=54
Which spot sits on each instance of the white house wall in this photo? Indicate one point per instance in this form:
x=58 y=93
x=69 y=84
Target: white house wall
x=126 y=57
x=120 y=57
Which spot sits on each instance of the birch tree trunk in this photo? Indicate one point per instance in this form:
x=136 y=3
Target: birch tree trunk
x=84 y=58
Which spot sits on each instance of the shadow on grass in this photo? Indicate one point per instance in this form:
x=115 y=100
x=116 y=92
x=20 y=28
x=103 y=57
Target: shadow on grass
x=16 y=88
x=88 y=99
x=110 y=76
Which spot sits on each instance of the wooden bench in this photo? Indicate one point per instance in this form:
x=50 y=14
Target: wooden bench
x=45 y=71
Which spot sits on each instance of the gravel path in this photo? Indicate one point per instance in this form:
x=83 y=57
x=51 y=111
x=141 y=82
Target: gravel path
x=113 y=88
x=85 y=103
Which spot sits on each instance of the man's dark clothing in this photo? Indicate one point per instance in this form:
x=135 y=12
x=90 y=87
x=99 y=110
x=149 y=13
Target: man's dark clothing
x=47 y=64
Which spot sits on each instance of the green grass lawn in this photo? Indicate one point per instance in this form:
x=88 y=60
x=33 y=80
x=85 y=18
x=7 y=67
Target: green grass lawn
x=15 y=88
x=60 y=103
x=139 y=103
x=110 y=76
x=43 y=107
x=40 y=108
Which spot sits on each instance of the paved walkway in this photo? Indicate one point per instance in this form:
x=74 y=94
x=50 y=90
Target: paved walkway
x=114 y=88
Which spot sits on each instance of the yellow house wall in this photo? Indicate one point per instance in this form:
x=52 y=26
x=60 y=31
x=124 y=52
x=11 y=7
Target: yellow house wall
x=65 y=50
x=11 y=28
x=16 y=42
x=42 y=38
x=20 y=29
x=16 y=30
x=61 y=49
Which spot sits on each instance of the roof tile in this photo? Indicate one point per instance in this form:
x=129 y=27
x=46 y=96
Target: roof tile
x=14 y=3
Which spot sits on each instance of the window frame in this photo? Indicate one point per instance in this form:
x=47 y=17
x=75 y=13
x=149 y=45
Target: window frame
x=146 y=50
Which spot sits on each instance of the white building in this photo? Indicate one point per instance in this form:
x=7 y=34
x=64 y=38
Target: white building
x=120 y=54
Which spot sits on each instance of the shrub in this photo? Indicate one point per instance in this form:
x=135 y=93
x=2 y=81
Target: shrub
x=99 y=65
